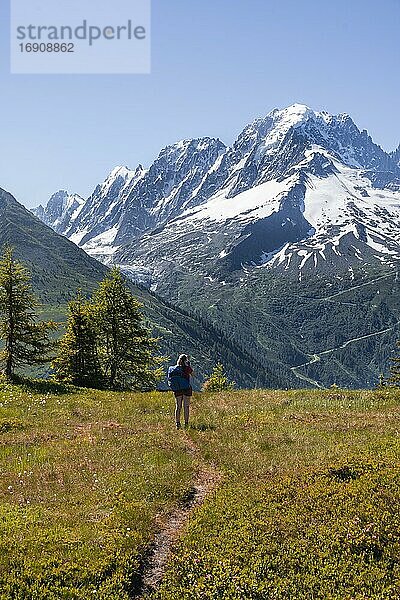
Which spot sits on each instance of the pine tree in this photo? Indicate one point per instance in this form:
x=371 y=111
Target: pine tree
x=126 y=350
x=26 y=340
x=218 y=381
x=77 y=360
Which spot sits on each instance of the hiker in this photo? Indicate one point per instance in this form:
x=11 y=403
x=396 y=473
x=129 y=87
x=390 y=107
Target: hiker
x=179 y=382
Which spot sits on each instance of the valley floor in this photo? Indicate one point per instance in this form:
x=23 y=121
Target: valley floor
x=270 y=494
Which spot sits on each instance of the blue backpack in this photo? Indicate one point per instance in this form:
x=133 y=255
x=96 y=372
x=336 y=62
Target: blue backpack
x=176 y=380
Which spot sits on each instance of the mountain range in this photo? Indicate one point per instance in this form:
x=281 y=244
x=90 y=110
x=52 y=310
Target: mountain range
x=261 y=237
x=299 y=191
x=59 y=268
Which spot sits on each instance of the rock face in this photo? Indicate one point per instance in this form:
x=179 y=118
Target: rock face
x=61 y=209
x=299 y=192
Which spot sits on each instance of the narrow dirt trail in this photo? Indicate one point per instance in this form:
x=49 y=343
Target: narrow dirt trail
x=207 y=480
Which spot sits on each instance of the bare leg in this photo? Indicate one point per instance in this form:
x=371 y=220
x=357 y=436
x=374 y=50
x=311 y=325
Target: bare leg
x=186 y=404
x=179 y=400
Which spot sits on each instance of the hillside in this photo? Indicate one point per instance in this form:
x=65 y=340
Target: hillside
x=326 y=330
x=209 y=342
x=302 y=504
x=58 y=266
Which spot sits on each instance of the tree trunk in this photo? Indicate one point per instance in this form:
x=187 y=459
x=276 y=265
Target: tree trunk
x=113 y=375
x=9 y=369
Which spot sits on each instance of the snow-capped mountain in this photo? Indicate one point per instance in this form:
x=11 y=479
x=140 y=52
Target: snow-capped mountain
x=129 y=203
x=61 y=209
x=298 y=191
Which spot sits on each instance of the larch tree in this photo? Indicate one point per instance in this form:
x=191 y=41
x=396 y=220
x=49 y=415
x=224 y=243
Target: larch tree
x=127 y=352
x=26 y=340
x=218 y=381
x=77 y=360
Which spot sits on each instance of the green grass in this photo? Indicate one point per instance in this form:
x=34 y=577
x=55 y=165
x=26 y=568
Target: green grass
x=82 y=478
x=307 y=507
x=309 y=504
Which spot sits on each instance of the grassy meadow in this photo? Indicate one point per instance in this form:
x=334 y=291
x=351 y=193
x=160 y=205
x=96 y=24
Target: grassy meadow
x=84 y=477
x=307 y=507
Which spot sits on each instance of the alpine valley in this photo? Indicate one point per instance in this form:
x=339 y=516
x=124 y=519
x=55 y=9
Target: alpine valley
x=59 y=268
x=287 y=242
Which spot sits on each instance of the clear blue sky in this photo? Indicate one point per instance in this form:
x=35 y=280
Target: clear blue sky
x=217 y=64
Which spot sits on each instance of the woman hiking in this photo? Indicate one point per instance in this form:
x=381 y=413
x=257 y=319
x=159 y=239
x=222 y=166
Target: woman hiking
x=179 y=382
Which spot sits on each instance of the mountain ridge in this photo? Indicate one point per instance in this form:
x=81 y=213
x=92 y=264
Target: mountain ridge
x=179 y=202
